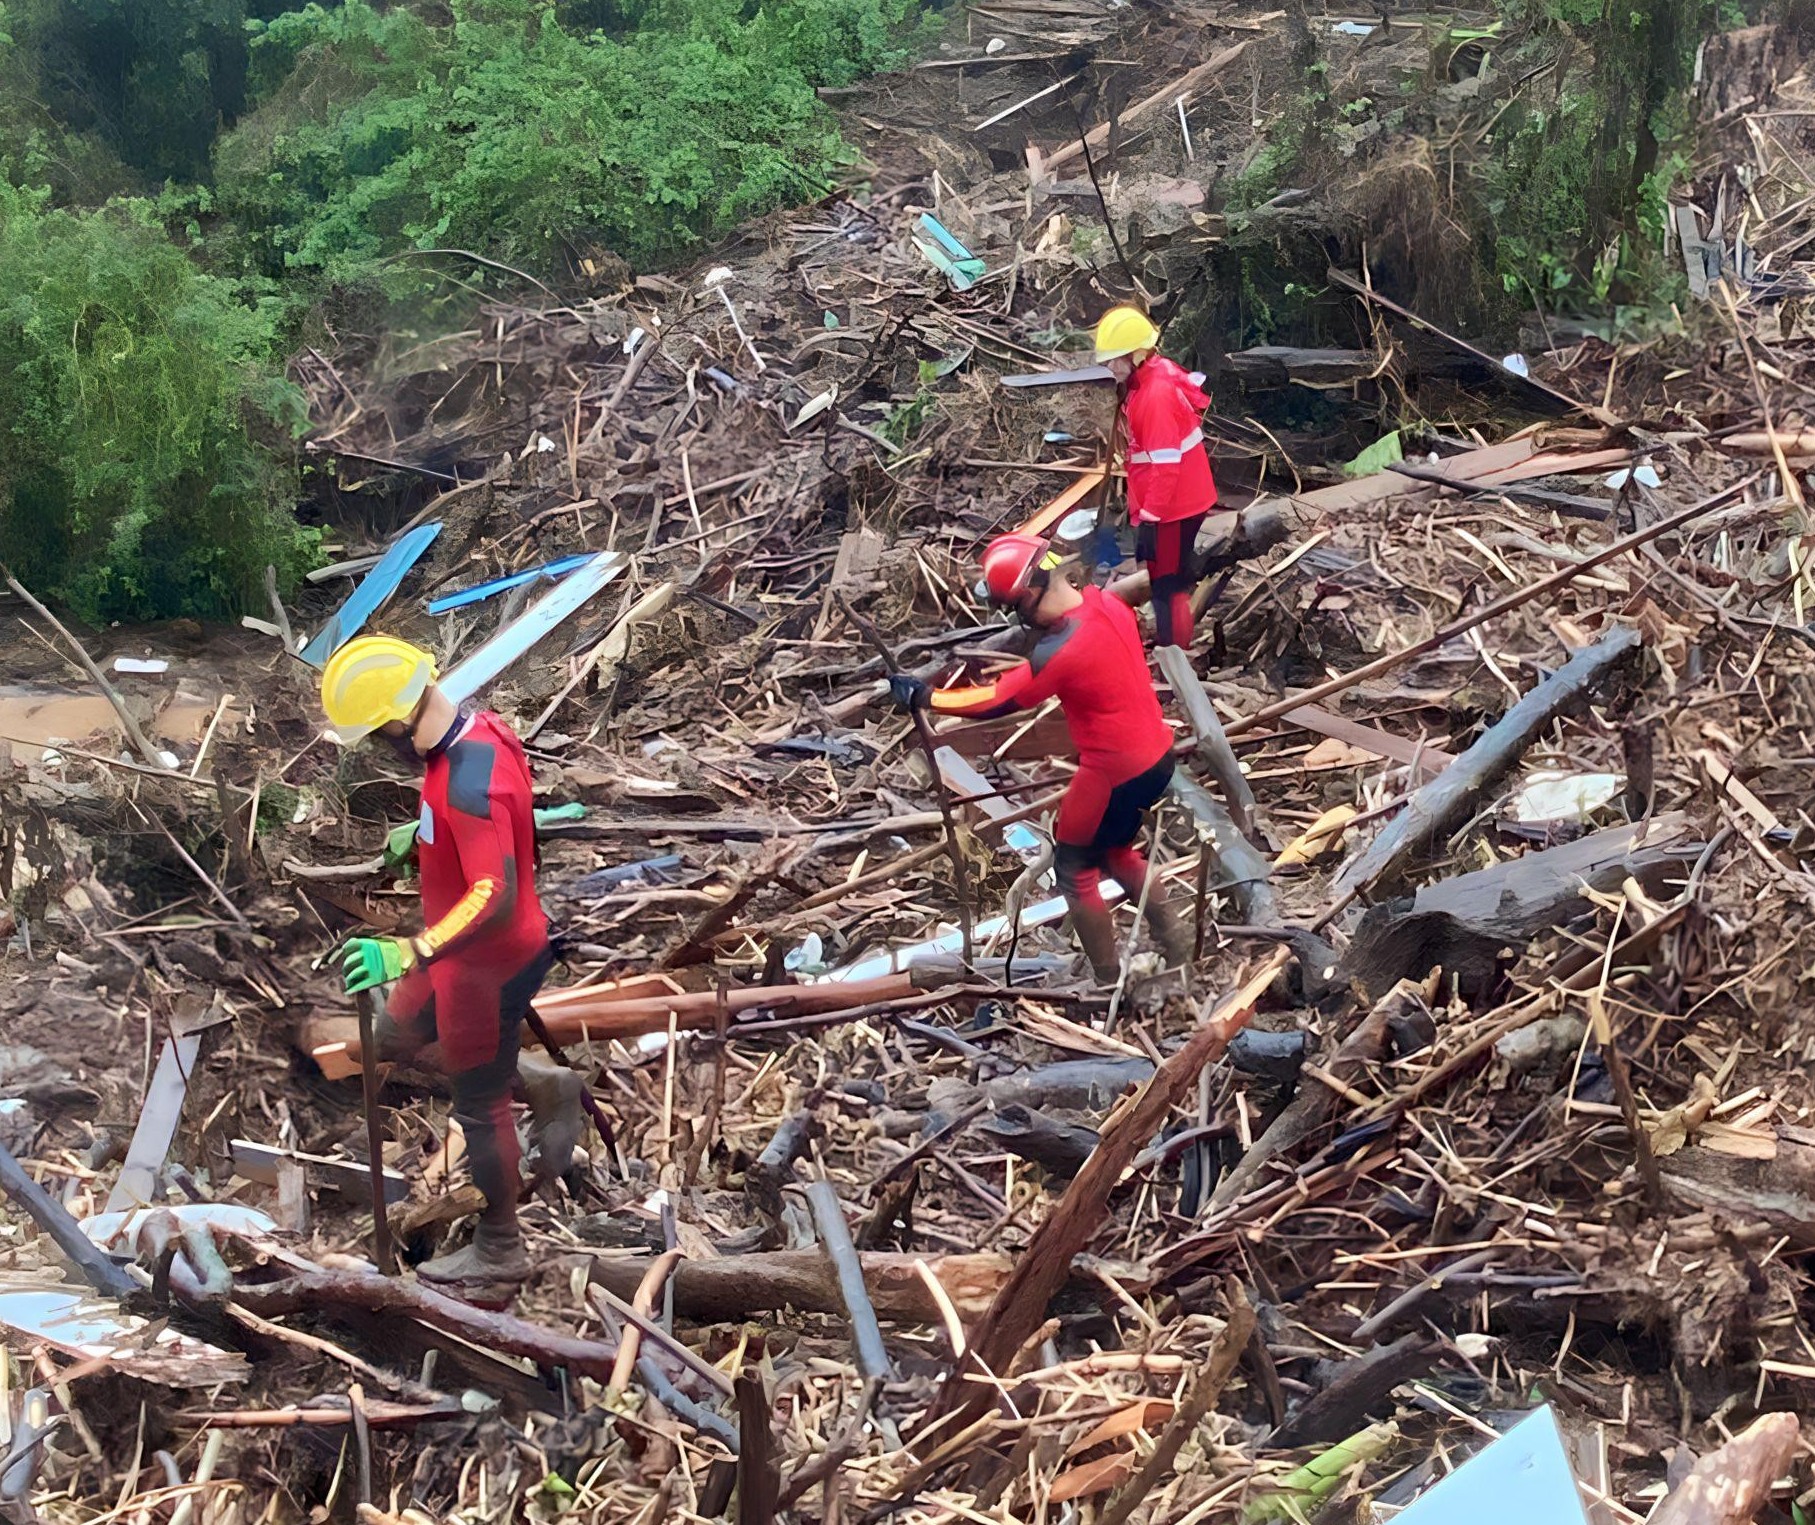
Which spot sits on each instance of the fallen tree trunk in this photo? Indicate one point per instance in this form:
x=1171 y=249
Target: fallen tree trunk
x=1465 y=923
x=1447 y=799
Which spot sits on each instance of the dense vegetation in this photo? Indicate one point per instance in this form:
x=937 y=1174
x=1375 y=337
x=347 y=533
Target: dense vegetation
x=143 y=425
x=182 y=181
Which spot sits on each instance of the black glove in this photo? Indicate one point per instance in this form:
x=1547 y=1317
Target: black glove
x=908 y=691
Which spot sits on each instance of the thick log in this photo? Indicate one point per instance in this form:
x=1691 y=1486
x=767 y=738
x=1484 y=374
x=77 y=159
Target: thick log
x=1444 y=802
x=1465 y=923
x=733 y=1287
x=577 y=1019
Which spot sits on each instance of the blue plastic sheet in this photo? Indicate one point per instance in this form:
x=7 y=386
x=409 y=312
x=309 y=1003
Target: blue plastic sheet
x=1523 y=1478
x=372 y=594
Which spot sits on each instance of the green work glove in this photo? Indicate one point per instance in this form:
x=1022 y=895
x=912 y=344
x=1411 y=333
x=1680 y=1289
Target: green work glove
x=555 y=814
x=400 y=845
x=373 y=961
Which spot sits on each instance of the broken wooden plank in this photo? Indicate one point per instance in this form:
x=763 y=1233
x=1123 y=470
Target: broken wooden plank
x=1464 y=469
x=264 y=1164
x=965 y=781
x=1426 y=759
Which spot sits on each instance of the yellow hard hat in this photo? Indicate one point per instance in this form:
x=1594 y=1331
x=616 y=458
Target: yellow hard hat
x=372 y=681
x=1122 y=331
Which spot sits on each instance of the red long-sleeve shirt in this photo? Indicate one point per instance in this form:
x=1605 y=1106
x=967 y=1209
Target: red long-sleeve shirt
x=1094 y=663
x=476 y=850
x=1168 y=468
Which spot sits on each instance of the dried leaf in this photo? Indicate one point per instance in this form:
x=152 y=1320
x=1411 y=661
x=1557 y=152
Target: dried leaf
x=1093 y=1477
x=1142 y=1415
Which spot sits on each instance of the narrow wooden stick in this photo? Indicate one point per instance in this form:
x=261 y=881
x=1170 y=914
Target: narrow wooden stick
x=930 y=747
x=368 y=1075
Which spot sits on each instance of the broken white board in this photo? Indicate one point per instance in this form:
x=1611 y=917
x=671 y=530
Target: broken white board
x=76 y=1322
x=156 y=1130
x=561 y=602
x=1520 y=1479
x=898 y=960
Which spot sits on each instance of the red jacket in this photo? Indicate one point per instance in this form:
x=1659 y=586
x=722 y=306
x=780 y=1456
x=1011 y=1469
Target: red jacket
x=1168 y=468
x=1094 y=662
x=476 y=850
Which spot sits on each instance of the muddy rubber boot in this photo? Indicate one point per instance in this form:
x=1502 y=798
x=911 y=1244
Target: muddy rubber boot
x=495 y=1255
x=556 y=1117
x=1169 y=930
x=1095 y=929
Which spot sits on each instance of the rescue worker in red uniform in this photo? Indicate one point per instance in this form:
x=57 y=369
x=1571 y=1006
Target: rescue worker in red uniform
x=467 y=980
x=1170 y=488
x=1088 y=653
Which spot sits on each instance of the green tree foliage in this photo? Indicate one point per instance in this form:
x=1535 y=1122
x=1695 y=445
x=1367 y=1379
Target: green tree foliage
x=147 y=466
x=500 y=130
x=93 y=86
x=1587 y=151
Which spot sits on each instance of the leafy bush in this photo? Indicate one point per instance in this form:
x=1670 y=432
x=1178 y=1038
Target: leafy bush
x=146 y=468
x=506 y=133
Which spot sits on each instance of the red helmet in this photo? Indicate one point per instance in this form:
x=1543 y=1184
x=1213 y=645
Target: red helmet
x=1009 y=564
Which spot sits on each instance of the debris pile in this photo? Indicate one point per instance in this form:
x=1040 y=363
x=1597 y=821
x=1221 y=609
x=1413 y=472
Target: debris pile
x=1488 y=1085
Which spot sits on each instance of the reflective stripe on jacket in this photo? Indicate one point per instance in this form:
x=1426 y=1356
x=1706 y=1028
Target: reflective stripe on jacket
x=1168 y=468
